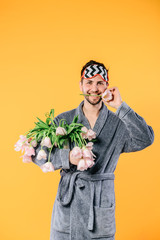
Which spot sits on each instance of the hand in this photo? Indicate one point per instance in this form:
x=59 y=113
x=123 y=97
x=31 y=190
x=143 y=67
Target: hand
x=73 y=160
x=116 y=98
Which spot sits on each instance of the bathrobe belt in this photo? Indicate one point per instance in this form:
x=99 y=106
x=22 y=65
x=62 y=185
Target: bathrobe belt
x=67 y=183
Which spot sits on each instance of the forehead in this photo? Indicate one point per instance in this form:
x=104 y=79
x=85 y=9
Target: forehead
x=95 y=79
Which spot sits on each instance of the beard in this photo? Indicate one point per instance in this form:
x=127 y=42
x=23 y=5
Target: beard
x=92 y=102
x=99 y=99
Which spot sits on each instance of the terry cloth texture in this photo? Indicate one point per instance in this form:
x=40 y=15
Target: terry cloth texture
x=84 y=207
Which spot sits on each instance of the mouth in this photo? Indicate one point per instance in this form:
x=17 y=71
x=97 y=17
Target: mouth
x=92 y=95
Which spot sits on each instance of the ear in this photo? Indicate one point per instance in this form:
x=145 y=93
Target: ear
x=80 y=86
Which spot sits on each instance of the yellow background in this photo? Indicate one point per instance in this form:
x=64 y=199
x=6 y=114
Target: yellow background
x=43 y=46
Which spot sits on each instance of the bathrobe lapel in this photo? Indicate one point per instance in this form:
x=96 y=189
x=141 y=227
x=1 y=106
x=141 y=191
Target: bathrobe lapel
x=99 y=122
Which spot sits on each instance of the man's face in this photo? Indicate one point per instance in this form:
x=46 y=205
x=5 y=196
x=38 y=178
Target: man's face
x=95 y=85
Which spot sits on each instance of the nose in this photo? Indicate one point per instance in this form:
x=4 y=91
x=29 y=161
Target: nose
x=94 y=88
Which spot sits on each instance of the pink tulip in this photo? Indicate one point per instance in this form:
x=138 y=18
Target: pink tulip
x=26 y=158
x=46 y=142
x=76 y=152
x=107 y=95
x=93 y=155
x=81 y=165
x=86 y=153
x=89 y=163
x=41 y=154
x=29 y=150
x=47 y=167
x=34 y=143
x=91 y=134
x=29 y=139
x=85 y=130
x=21 y=144
x=89 y=159
x=92 y=164
x=61 y=131
x=18 y=146
x=23 y=138
x=89 y=145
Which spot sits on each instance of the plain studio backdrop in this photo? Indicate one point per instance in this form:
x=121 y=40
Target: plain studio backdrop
x=43 y=46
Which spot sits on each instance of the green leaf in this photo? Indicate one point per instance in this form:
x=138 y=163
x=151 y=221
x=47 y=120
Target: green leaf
x=52 y=113
x=42 y=126
x=47 y=121
x=36 y=136
x=75 y=119
x=36 y=129
x=61 y=141
x=70 y=130
x=41 y=121
x=62 y=122
x=53 y=139
x=93 y=140
x=71 y=137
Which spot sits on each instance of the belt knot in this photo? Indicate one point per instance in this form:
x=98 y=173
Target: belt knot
x=67 y=183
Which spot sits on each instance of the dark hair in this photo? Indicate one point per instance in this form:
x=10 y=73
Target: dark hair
x=88 y=64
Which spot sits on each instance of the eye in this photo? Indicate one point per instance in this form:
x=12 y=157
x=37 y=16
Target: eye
x=89 y=82
x=100 y=83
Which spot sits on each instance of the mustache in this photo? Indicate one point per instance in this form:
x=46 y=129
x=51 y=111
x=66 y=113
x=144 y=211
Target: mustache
x=95 y=93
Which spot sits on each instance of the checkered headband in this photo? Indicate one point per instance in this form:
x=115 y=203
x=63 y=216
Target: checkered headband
x=94 y=70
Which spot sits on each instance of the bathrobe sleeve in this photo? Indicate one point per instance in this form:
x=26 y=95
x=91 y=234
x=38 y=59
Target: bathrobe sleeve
x=138 y=135
x=58 y=157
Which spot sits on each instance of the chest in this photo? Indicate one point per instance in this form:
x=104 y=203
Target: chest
x=92 y=120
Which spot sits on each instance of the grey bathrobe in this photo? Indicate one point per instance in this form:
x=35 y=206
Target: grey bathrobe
x=84 y=207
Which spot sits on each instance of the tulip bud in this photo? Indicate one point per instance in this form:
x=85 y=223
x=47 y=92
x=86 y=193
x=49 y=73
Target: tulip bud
x=61 y=131
x=85 y=130
x=29 y=150
x=107 y=95
x=76 y=152
x=34 y=143
x=81 y=165
x=47 y=167
x=91 y=134
x=46 y=142
x=26 y=158
x=41 y=154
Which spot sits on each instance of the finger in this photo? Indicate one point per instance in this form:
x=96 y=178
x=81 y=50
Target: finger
x=112 y=89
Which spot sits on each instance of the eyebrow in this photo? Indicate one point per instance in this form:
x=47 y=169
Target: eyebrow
x=100 y=81
x=89 y=80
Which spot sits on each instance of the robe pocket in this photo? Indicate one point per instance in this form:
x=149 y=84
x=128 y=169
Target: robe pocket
x=61 y=217
x=104 y=222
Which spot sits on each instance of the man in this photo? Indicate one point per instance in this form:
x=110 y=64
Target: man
x=84 y=207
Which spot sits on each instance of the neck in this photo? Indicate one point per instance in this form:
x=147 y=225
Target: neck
x=90 y=109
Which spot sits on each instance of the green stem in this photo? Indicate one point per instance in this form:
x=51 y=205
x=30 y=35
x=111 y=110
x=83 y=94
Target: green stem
x=42 y=139
x=91 y=95
x=52 y=120
x=81 y=141
x=50 y=150
x=84 y=141
x=48 y=132
x=76 y=142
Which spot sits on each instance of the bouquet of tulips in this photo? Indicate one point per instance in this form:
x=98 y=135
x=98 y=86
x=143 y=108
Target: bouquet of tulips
x=51 y=135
